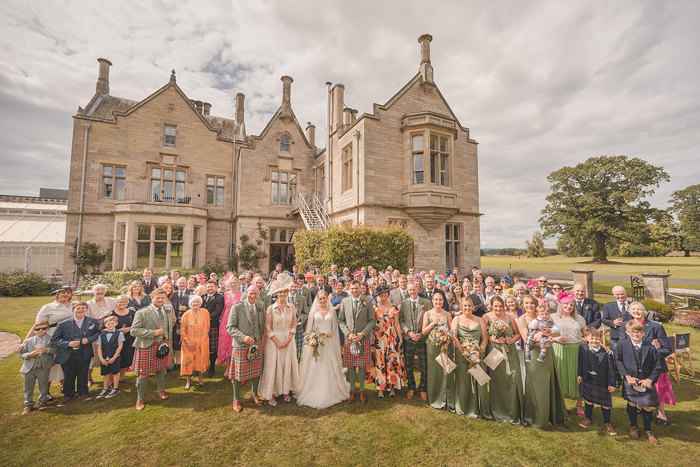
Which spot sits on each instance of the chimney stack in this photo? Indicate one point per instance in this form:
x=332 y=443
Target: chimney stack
x=347 y=114
x=102 y=86
x=337 y=96
x=311 y=133
x=206 y=108
x=286 y=89
x=240 y=114
x=426 y=69
x=198 y=106
x=353 y=115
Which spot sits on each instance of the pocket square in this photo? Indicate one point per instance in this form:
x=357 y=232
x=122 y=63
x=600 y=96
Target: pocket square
x=91 y=327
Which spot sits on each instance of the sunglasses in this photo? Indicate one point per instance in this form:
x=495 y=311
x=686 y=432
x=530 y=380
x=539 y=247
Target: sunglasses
x=43 y=328
x=498 y=289
x=542 y=282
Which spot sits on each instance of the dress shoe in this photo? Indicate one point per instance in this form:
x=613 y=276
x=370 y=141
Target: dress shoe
x=611 y=431
x=211 y=372
x=424 y=396
x=634 y=432
x=140 y=404
x=652 y=439
x=351 y=399
x=43 y=405
x=163 y=396
x=237 y=407
x=64 y=401
x=256 y=400
x=410 y=393
x=661 y=422
x=585 y=423
x=363 y=399
x=86 y=397
x=27 y=409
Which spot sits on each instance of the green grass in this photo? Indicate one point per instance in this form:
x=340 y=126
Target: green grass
x=199 y=427
x=680 y=267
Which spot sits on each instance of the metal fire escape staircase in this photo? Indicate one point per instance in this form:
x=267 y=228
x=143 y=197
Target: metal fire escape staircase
x=314 y=215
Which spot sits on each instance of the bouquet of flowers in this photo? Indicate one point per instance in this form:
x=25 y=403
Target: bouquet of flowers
x=314 y=339
x=471 y=351
x=440 y=335
x=497 y=329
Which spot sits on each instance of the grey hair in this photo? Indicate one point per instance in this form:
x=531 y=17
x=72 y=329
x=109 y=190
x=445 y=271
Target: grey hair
x=637 y=305
x=195 y=298
x=122 y=297
x=97 y=286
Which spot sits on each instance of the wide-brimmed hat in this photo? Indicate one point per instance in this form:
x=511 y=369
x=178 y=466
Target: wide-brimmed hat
x=283 y=282
x=507 y=279
x=380 y=290
x=62 y=288
x=440 y=279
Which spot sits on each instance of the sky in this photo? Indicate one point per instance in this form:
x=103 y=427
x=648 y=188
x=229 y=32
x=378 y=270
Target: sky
x=540 y=85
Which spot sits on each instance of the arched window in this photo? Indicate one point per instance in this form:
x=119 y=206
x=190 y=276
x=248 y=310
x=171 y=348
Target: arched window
x=284 y=143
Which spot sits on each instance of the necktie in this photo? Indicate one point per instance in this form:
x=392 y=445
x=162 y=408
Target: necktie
x=161 y=315
x=414 y=306
x=579 y=306
x=252 y=309
x=622 y=308
x=355 y=305
x=404 y=295
x=638 y=356
x=430 y=294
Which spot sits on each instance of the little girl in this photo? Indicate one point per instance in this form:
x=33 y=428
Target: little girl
x=543 y=323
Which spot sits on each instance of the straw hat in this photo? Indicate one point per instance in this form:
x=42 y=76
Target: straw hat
x=283 y=282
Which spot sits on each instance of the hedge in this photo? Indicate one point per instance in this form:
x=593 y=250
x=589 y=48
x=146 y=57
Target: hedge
x=665 y=311
x=118 y=281
x=354 y=247
x=22 y=284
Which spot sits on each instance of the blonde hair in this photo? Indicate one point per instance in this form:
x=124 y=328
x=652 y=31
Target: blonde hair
x=130 y=291
x=110 y=318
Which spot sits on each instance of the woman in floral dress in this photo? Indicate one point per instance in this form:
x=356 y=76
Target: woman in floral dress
x=387 y=371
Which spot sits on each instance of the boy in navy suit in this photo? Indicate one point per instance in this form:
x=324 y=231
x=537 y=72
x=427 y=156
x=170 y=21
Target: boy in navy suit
x=640 y=365
x=596 y=379
x=37 y=354
x=109 y=347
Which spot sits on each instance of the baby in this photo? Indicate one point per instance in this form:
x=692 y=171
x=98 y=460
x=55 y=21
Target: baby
x=543 y=323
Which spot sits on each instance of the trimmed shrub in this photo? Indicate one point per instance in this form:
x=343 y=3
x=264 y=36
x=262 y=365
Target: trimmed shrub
x=118 y=281
x=665 y=312
x=20 y=283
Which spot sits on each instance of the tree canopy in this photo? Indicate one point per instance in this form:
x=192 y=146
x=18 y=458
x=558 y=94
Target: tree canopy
x=599 y=200
x=685 y=204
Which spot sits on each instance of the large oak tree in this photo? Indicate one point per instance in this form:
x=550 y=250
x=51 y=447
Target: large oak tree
x=600 y=199
x=686 y=205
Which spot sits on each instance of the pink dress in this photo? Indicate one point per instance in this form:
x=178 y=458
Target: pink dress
x=225 y=340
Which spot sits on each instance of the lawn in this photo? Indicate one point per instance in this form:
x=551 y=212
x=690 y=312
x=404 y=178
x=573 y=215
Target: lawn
x=199 y=427
x=680 y=267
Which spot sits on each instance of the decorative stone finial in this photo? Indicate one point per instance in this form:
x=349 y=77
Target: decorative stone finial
x=172 y=76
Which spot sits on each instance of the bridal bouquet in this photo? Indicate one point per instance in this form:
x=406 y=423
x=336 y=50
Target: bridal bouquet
x=498 y=329
x=471 y=351
x=314 y=339
x=441 y=336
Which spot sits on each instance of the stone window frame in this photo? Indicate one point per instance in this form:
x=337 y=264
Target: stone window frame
x=218 y=183
x=444 y=171
x=280 y=178
x=285 y=143
x=169 y=138
x=115 y=178
x=453 y=244
x=346 y=168
x=276 y=235
x=174 y=195
x=155 y=241
x=196 y=243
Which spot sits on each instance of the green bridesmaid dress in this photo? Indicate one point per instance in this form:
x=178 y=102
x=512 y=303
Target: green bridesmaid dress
x=441 y=387
x=544 y=401
x=506 y=389
x=471 y=399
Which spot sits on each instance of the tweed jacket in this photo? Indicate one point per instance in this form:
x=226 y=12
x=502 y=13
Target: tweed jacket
x=241 y=323
x=413 y=322
x=301 y=307
x=44 y=361
x=146 y=321
x=363 y=321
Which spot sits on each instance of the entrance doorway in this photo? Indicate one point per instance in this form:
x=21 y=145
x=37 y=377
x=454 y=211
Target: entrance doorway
x=282 y=253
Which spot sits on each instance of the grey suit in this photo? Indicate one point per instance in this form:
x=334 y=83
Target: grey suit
x=363 y=321
x=35 y=370
x=410 y=321
x=241 y=323
x=146 y=321
x=301 y=307
x=397 y=296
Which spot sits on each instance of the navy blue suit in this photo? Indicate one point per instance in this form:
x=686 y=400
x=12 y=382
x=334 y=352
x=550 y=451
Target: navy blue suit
x=75 y=362
x=150 y=287
x=599 y=363
x=652 y=362
x=611 y=311
x=590 y=311
x=653 y=330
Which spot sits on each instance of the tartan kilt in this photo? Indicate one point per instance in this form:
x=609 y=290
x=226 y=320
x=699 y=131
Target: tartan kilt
x=594 y=394
x=363 y=360
x=146 y=362
x=243 y=369
x=649 y=398
x=213 y=341
x=299 y=338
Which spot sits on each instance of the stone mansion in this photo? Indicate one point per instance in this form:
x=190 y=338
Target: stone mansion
x=173 y=186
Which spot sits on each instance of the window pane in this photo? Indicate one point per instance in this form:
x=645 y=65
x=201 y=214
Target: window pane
x=456 y=255
x=143 y=252
x=210 y=195
x=220 y=182
x=196 y=234
x=274 y=193
x=448 y=229
x=107 y=187
x=283 y=235
x=195 y=253
x=144 y=232
x=443 y=173
x=219 y=196
x=167 y=173
x=210 y=181
x=456 y=235
x=155 y=189
x=419 y=177
x=161 y=232
x=155 y=173
x=180 y=190
x=433 y=142
x=275 y=175
x=283 y=176
x=292 y=178
x=273 y=235
x=121 y=171
x=433 y=167
x=175 y=255
x=176 y=232
x=108 y=170
x=418 y=161
x=180 y=175
x=160 y=251
x=283 y=192
x=418 y=142
x=443 y=144
x=169 y=130
x=167 y=189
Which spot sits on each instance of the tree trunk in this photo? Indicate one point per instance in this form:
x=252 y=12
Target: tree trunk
x=599 y=253
x=686 y=253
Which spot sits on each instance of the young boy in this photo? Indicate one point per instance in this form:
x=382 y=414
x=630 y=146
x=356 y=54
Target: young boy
x=596 y=379
x=37 y=353
x=640 y=365
x=109 y=347
x=542 y=323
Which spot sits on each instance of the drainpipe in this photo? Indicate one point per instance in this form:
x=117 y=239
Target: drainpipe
x=82 y=199
x=327 y=181
x=234 y=173
x=357 y=134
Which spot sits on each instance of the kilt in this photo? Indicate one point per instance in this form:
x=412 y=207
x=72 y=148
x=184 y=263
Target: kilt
x=146 y=362
x=213 y=342
x=360 y=361
x=649 y=398
x=243 y=369
x=299 y=337
x=594 y=394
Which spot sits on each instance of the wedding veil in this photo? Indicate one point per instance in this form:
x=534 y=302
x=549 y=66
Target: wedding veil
x=332 y=347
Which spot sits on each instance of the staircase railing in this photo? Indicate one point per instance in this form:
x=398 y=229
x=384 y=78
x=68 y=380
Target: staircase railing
x=312 y=219
x=322 y=213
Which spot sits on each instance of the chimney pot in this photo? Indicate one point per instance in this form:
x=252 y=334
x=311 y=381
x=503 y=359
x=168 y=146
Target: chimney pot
x=198 y=106
x=206 y=108
x=338 y=96
x=426 y=69
x=240 y=113
x=347 y=114
x=102 y=86
x=311 y=133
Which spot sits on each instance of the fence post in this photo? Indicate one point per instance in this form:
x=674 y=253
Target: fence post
x=585 y=276
x=656 y=286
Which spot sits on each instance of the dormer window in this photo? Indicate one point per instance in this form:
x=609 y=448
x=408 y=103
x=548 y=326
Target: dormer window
x=170 y=133
x=284 y=144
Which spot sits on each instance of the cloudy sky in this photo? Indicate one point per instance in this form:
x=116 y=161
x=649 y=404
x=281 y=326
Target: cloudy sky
x=540 y=84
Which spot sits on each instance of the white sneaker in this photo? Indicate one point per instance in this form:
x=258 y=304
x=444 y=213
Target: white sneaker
x=112 y=393
x=103 y=393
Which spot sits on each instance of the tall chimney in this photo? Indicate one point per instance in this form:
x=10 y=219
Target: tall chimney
x=311 y=133
x=240 y=114
x=426 y=69
x=353 y=115
x=286 y=89
x=206 y=108
x=198 y=106
x=338 y=96
x=102 y=86
x=347 y=115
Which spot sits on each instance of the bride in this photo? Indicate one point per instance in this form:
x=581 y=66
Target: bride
x=322 y=381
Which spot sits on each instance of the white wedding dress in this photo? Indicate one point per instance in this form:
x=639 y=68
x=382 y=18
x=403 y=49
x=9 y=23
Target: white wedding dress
x=322 y=381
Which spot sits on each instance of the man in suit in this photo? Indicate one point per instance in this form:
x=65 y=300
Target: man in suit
x=174 y=278
x=587 y=308
x=152 y=326
x=246 y=324
x=149 y=285
x=263 y=296
x=411 y=314
x=615 y=313
x=356 y=321
x=334 y=272
x=542 y=281
x=303 y=290
x=430 y=289
x=321 y=284
x=180 y=302
x=302 y=310
x=37 y=353
x=74 y=337
x=400 y=293
x=478 y=298
x=213 y=302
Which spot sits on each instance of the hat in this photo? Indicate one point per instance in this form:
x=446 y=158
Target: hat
x=507 y=279
x=283 y=282
x=380 y=290
x=201 y=276
x=357 y=273
x=532 y=283
x=565 y=297
x=440 y=279
x=310 y=276
x=63 y=287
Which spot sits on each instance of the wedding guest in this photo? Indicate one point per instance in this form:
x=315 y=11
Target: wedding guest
x=536 y=293
x=400 y=293
x=512 y=306
x=180 y=304
x=174 y=278
x=466 y=286
x=356 y=321
x=99 y=307
x=302 y=314
x=430 y=290
x=471 y=399
x=506 y=379
x=147 y=282
x=191 y=283
x=303 y=290
x=73 y=338
x=202 y=279
x=615 y=313
x=543 y=403
x=336 y=298
x=194 y=333
x=225 y=347
x=455 y=301
x=281 y=371
x=213 y=302
x=596 y=378
x=38 y=354
x=321 y=284
x=152 y=331
x=507 y=284
x=585 y=307
x=440 y=383
x=411 y=320
x=109 y=347
x=520 y=291
x=125 y=318
x=137 y=298
x=263 y=296
x=478 y=299
x=387 y=370
x=246 y=324
x=364 y=288
x=566 y=346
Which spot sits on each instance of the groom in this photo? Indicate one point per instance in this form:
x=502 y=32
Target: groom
x=356 y=321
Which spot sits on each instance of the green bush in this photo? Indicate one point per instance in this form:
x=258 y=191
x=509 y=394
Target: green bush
x=118 y=281
x=665 y=312
x=19 y=284
x=354 y=247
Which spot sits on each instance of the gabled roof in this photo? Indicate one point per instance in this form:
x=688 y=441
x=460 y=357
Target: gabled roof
x=282 y=111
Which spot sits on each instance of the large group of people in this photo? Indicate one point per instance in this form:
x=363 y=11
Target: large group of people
x=503 y=350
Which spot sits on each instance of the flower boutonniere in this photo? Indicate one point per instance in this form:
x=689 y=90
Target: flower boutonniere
x=364 y=303
x=422 y=307
x=588 y=307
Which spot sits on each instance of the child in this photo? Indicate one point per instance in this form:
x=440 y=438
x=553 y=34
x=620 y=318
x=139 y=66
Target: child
x=640 y=365
x=109 y=347
x=543 y=323
x=596 y=379
x=37 y=353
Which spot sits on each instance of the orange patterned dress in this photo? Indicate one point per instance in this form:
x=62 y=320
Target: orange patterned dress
x=387 y=370
x=194 y=328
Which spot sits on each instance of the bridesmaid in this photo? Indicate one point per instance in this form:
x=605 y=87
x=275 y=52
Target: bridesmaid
x=194 y=332
x=387 y=371
x=506 y=379
x=225 y=347
x=544 y=402
x=440 y=385
x=471 y=399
